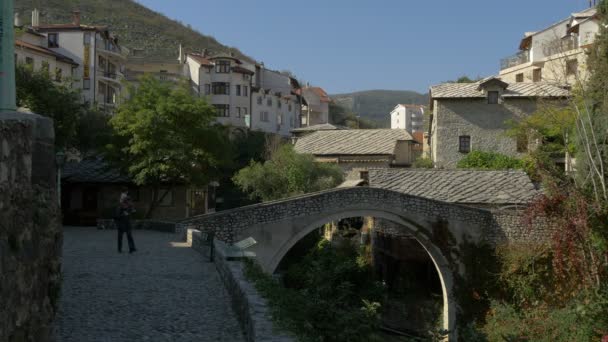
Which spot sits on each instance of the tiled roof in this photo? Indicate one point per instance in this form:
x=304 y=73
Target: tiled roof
x=322 y=94
x=352 y=142
x=45 y=51
x=320 y=127
x=92 y=170
x=458 y=186
x=200 y=59
x=471 y=90
x=242 y=70
x=70 y=26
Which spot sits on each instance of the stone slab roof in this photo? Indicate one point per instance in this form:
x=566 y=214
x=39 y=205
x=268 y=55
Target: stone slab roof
x=458 y=186
x=92 y=170
x=319 y=127
x=523 y=89
x=352 y=142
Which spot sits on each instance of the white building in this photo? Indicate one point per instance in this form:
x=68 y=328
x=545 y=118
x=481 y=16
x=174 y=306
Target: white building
x=408 y=117
x=225 y=81
x=31 y=49
x=555 y=53
x=276 y=106
x=99 y=56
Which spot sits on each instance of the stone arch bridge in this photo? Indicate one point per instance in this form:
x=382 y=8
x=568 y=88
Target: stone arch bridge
x=441 y=228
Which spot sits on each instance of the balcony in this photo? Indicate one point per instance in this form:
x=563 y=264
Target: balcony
x=557 y=46
x=514 y=60
x=110 y=50
x=110 y=76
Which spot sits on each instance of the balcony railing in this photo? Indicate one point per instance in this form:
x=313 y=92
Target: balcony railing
x=514 y=60
x=562 y=45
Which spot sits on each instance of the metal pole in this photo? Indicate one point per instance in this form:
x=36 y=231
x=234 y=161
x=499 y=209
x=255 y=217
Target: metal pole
x=59 y=186
x=7 y=58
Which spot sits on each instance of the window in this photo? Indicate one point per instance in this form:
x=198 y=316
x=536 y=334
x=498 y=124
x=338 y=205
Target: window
x=220 y=88
x=207 y=70
x=537 y=75
x=29 y=61
x=246 y=77
x=238 y=90
x=86 y=38
x=207 y=89
x=245 y=111
x=519 y=78
x=58 y=74
x=269 y=102
x=166 y=201
x=222 y=110
x=571 y=67
x=53 y=40
x=245 y=91
x=86 y=83
x=464 y=144
x=492 y=97
x=279 y=119
x=238 y=112
x=279 y=104
x=259 y=100
x=222 y=67
x=163 y=75
x=290 y=107
x=264 y=116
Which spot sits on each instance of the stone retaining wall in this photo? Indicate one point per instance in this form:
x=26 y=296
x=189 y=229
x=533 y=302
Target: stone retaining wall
x=249 y=306
x=30 y=229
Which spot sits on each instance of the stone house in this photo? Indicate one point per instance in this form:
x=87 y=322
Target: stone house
x=357 y=150
x=475 y=116
x=90 y=191
x=315 y=109
x=555 y=53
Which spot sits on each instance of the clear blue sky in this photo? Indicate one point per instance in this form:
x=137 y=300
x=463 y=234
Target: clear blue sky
x=351 y=45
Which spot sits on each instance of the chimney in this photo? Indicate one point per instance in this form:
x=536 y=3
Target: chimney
x=76 y=17
x=204 y=52
x=18 y=22
x=180 y=58
x=35 y=18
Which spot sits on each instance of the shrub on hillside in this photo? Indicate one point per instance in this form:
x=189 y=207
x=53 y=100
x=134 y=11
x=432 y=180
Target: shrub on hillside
x=489 y=161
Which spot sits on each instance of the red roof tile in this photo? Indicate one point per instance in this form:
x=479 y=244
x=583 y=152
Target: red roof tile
x=200 y=59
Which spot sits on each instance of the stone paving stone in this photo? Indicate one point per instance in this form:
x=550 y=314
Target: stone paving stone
x=163 y=292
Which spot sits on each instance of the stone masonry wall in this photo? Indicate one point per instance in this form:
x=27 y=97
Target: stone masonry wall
x=30 y=233
x=491 y=226
x=250 y=307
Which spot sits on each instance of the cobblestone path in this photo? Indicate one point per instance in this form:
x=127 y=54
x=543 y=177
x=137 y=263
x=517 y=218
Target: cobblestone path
x=163 y=292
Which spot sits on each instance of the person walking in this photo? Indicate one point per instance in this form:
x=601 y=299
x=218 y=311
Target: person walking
x=123 y=220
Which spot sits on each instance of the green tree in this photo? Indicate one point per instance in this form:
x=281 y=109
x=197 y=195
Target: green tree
x=165 y=135
x=489 y=161
x=287 y=173
x=341 y=116
x=36 y=91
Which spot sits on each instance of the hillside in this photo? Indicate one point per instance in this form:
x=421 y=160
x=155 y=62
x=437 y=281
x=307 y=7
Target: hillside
x=135 y=25
x=375 y=105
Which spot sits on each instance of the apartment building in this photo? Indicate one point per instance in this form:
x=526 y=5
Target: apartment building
x=408 y=117
x=555 y=53
x=99 y=56
x=276 y=106
x=226 y=83
x=31 y=48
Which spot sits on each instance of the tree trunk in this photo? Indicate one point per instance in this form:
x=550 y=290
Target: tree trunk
x=155 y=200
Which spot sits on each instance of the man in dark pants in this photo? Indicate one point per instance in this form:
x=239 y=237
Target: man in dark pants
x=123 y=221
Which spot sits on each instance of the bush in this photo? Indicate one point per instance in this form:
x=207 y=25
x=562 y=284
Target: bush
x=489 y=161
x=329 y=296
x=423 y=163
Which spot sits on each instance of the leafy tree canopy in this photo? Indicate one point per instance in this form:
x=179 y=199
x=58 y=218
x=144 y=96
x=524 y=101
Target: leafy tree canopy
x=36 y=91
x=286 y=174
x=339 y=115
x=482 y=160
x=164 y=134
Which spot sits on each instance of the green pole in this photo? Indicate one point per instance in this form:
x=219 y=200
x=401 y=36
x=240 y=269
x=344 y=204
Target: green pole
x=7 y=58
